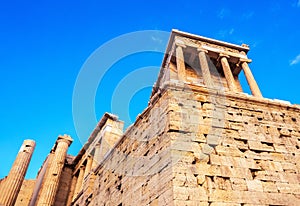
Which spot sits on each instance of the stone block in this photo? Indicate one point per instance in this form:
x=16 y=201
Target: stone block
x=269 y=187
x=213 y=140
x=228 y=151
x=238 y=184
x=207 y=106
x=200 y=179
x=207 y=149
x=254 y=198
x=199 y=138
x=223 y=204
x=289 y=166
x=254 y=185
x=258 y=146
x=190 y=193
x=189 y=203
x=280 y=148
x=201 y=98
x=222 y=183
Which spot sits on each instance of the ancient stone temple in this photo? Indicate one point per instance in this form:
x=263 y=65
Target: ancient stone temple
x=200 y=141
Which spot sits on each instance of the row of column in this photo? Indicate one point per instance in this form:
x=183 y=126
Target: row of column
x=206 y=72
x=91 y=163
x=11 y=185
x=51 y=181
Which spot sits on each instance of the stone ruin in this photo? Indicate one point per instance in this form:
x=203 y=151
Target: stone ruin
x=200 y=141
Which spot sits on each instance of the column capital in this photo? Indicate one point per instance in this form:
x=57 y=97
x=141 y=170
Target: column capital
x=202 y=50
x=242 y=60
x=179 y=43
x=221 y=55
x=64 y=138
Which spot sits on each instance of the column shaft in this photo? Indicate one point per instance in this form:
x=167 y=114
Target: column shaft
x=205 y=69
x=49 y=189
x=238 y=84
x=96 y=159
x=180 y=63
x=72 y=190
x=89 y=162
x=79 y=182
x=251 y=81
x=11 y=185
x=228 y=74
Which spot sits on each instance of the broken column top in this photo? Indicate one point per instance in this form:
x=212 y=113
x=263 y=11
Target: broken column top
x=29 y=142
x=65 y=137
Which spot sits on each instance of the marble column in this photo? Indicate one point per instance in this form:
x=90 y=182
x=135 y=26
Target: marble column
x=88 y=166
x=11 y=185
x=238 y=84
x=251 y=81
x=205 y=68
x=50 y=186
x=180 y=62
x=79 y=181
x=96 y=159
x=72 y=190
x=228 y=74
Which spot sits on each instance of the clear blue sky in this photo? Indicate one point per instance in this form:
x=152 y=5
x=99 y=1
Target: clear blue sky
x=43 y=45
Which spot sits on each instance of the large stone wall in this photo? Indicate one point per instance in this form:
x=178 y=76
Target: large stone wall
x=234 y=149
x=138 y=170
x=194 y=146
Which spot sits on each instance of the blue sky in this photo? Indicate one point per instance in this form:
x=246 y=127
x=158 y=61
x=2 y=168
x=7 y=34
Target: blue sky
x=44 y=44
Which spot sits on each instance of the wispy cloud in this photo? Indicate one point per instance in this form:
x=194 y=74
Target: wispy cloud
x=248 y=15
x=223 y=13
x=296 y=60
x=225 y=32
x=298 y=3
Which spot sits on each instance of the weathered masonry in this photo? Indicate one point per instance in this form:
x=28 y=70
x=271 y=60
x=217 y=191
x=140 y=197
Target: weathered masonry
x=200 y=141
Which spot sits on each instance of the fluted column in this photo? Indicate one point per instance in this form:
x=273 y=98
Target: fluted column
x=250 y=79
x=180 y=62
x=228 y=74
x=96 y=159
x=72 y=190
x=79 y=181
x=238 y=84
x=49 y=189
x=205 y=68
x=88 y=166
x=11 y=185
